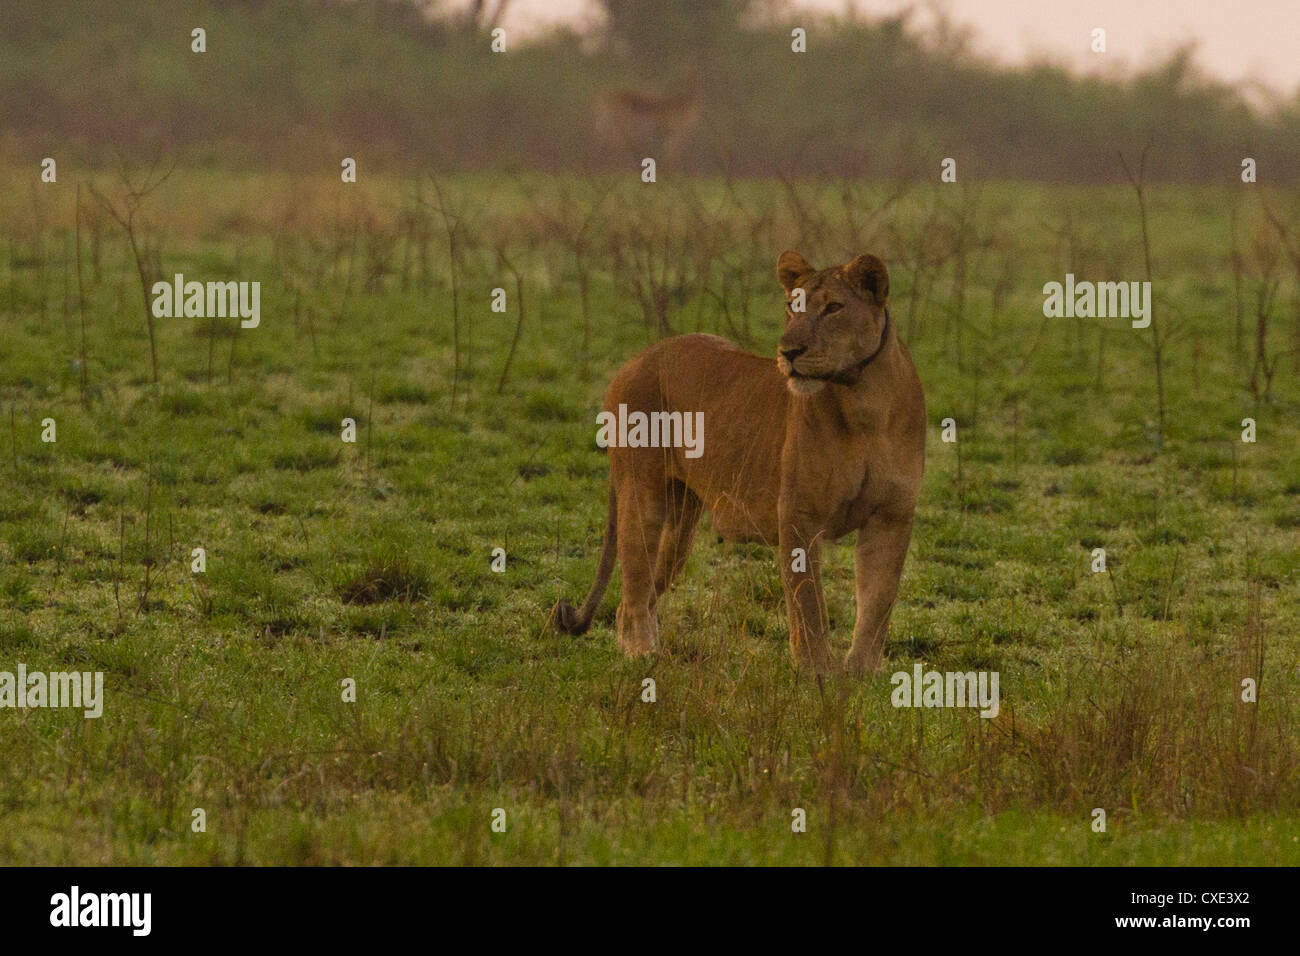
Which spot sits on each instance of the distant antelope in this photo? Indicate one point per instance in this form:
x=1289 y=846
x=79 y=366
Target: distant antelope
x=631 y=125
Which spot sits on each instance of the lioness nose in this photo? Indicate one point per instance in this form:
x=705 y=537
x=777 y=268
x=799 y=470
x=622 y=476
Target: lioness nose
x=792 y=354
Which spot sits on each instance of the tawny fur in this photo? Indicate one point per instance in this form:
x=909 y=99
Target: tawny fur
x=826 y=440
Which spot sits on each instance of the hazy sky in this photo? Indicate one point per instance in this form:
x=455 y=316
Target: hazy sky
x=1242 y=41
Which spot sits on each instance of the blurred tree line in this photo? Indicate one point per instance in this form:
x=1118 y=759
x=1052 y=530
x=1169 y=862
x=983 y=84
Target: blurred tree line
x=402 y=83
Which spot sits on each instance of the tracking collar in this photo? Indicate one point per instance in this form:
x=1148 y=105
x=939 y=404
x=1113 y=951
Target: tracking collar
x=850 y=375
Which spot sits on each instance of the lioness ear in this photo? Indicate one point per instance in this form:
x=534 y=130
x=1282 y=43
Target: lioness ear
x=790 y=268
x=868 y=275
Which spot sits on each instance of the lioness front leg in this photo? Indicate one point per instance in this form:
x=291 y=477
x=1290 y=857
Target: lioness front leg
x=878 y=567
x=800 y=556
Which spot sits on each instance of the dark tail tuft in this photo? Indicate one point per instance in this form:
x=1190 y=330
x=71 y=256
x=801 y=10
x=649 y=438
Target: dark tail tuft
x=566 y=619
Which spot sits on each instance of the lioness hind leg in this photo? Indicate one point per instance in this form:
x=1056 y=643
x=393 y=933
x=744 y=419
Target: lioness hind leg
x=640 y=526
x=683 y=513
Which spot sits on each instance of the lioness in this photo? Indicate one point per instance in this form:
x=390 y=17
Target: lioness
x=828 y=438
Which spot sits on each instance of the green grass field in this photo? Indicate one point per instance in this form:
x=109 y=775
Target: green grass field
x=370 y=560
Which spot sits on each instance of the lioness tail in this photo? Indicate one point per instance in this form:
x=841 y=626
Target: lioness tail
x=570 y=620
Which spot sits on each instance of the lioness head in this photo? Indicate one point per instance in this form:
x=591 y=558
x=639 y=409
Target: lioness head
x=841 y=326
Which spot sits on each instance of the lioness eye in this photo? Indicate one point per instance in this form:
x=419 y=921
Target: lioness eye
x=832 y=307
